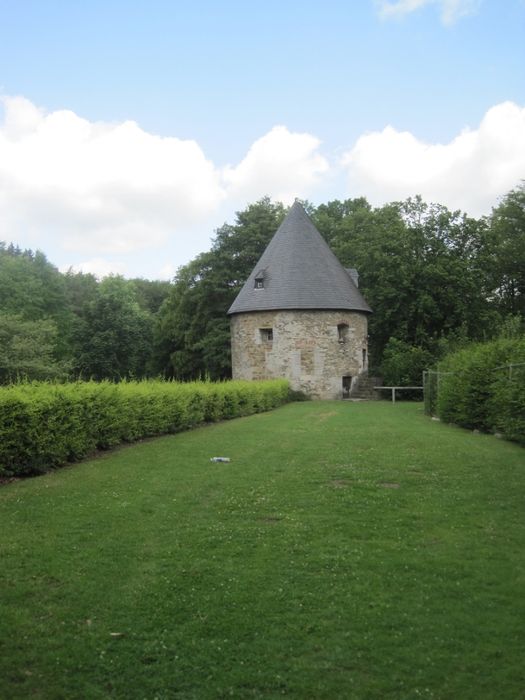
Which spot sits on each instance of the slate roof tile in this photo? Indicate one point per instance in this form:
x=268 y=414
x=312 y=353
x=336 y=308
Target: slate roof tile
x=299 y=272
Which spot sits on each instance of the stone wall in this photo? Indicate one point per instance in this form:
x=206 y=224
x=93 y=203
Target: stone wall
x=314 y=350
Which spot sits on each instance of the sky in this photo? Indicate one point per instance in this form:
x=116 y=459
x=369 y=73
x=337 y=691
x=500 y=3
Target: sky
x=130 y=131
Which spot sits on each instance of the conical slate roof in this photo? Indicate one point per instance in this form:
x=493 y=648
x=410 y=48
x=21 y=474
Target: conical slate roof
x=298 y=271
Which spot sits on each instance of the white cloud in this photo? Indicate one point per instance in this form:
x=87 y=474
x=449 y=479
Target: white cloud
x=281 y=164
x=112 y=198
x=388 y=9
x=166 y=272
x=469 y=173
x=98 y=189
x=98 y=267
x=97 y=186
x=451 y=10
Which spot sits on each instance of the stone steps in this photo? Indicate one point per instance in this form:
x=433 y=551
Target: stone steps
x=363 y=388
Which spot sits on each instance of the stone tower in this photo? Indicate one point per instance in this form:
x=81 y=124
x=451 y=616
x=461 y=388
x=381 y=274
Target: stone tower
x=300 y=315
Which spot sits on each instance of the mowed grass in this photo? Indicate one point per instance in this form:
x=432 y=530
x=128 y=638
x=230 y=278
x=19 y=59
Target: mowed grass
x=348 y=550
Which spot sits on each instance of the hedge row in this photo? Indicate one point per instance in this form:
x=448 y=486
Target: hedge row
x=480 y=390
x=44 y=426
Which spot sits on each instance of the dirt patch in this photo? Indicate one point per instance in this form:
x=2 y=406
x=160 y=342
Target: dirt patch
x=340 y=483
x=4 y=480
x=326 y=415
x=389 y=485
x=270 y=519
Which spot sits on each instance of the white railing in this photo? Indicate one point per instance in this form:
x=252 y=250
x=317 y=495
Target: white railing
x=397 y=388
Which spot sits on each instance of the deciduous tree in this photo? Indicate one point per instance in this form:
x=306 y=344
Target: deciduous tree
x=28 y=349
x=114 y=338
x=193 y=337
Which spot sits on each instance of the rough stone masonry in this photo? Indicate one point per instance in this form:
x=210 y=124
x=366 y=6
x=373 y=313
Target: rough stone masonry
x=300 y=315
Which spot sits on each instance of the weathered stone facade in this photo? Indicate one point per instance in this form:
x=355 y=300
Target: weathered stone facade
x=321 y=352
x=300 y=315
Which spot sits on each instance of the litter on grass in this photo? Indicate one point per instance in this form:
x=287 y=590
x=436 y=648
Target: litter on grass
x=219 y=459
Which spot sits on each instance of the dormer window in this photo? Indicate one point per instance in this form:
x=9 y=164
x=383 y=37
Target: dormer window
x=259 y=280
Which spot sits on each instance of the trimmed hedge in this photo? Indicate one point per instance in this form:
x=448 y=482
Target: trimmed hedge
x=43 y=426
x=479 y=390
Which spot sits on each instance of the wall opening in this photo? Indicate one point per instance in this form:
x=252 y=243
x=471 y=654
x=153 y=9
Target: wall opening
x=342 y=332
x=347 y=385
x=266 y=334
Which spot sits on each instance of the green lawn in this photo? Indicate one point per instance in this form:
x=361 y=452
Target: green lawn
x=348 y=550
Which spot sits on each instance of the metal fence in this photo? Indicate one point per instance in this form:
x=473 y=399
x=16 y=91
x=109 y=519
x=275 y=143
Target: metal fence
x=431 y=381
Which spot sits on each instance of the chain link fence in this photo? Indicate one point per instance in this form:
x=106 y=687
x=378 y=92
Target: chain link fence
x=514 y=371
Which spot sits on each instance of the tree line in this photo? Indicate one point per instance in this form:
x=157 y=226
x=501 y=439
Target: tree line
x=434 y=278
x=67 y=326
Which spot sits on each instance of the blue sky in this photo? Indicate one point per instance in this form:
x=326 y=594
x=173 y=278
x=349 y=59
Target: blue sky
x=129 y=131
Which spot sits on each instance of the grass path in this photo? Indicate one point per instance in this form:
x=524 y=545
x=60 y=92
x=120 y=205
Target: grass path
x=347 y=551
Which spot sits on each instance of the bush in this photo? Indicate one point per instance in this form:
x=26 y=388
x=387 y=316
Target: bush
x=506 y=406
x=403 y=364
x=44 y=426
x=479 y=390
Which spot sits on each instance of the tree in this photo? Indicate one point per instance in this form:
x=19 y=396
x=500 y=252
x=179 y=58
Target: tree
x=81 y=289
x=114 y=338
x=29 y=285
x=403 y=364
x=150 y=294
x=504 y=253
x=28 y=349
x=418 y=268
x=193 y=336
x=33 y=289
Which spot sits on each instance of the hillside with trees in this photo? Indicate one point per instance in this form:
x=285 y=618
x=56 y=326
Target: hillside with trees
x=66 y=326
x=434 y=278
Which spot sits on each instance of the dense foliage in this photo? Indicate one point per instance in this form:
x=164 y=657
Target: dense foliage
x=428 y=273
x=193 y=335
x=482 y=387
x=418 y=266
x=55 y=325
x=433 y=277
x=43 y=426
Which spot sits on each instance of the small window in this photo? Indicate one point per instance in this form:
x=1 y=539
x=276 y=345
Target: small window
x=266 y=334
x=259 y=279
x=342 y=332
